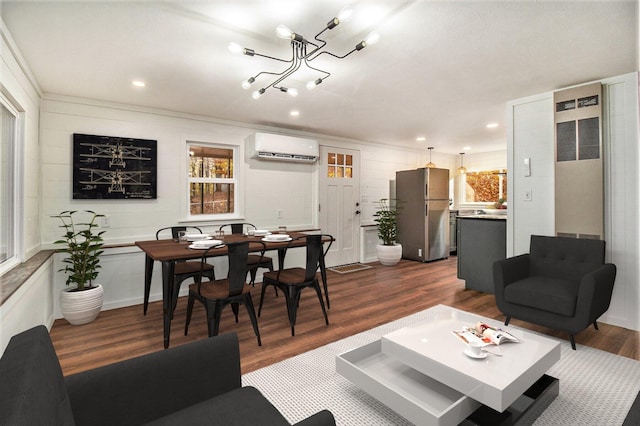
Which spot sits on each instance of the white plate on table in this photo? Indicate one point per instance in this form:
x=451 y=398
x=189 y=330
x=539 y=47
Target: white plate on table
x=205 y=244
x=277 y=238
x=195 y=247
x=197 y=237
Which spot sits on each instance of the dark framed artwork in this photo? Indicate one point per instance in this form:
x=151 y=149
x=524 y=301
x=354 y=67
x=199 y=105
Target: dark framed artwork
x=115 y=168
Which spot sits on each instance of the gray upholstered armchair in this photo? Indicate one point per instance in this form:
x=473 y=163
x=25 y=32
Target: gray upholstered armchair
x=563 y=283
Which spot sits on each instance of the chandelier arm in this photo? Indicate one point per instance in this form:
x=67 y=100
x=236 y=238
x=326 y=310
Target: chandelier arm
x=285 y=76
x=332 y=54
x=286 y=73
x=317 y=69
x=271 y=57
x=323 y=43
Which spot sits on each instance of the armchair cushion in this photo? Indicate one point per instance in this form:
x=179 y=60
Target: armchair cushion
x=549 y=294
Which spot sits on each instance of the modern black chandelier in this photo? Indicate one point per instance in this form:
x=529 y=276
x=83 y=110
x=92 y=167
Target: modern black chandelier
x=303 y=51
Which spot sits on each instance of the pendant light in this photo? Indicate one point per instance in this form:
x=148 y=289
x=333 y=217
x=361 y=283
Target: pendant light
x=462 y=169
x=430 y=165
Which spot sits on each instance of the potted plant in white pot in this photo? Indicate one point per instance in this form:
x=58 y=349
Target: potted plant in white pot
x=82 y=300
x=386 y=217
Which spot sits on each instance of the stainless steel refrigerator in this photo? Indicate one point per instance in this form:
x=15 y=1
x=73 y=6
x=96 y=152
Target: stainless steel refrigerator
x=423 y=220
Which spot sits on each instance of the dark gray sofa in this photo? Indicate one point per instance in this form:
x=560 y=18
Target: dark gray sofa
x=633 y=417
x=197 y=383
x=563 y=283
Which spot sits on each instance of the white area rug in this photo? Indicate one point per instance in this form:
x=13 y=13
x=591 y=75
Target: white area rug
x=596 y=387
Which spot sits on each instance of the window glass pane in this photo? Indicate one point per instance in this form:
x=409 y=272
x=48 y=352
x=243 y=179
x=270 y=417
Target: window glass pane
x=331 y=158
x=340 y=160
x=348 y=172
x=208 y=162
x=486 y=186
x=7 y=198
x=340 y=171
x=211 y=198
x=211 y=180
x=349 y=161
x=331 y=171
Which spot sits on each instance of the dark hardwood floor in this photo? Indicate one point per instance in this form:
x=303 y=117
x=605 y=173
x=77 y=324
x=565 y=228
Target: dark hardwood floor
x=359 y=301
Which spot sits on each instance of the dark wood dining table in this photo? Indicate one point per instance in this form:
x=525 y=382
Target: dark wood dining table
x=169 y=251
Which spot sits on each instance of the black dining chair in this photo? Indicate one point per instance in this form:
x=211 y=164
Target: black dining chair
x=183 y=269
x=217 y=294
x=254 y=261
x=293 y=280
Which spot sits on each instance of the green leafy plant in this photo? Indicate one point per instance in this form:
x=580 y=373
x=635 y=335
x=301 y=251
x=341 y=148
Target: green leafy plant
x=83 y=245
x=387 y=219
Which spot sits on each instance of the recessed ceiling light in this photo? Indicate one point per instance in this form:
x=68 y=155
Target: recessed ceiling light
x=467 y=148
x=492 y=125
x=421 y=138
x=294 y=113
x=138 y=83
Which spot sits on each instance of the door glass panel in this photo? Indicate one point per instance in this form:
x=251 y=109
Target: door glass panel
x=339 y=165
x=348 y=172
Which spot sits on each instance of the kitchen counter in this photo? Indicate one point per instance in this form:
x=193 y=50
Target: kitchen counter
x=484 y=216
x=481 y=240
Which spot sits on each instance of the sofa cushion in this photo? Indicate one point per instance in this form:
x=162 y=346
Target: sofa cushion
x=32 y=388
x=553 y=295
x=241 y=406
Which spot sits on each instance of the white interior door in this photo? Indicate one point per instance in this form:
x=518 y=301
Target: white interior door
x=339 y=202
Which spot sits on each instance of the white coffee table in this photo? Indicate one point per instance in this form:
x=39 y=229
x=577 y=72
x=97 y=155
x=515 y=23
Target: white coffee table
x=422 y=373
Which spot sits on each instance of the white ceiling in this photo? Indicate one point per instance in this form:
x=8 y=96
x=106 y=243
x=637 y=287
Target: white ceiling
x=442 y=70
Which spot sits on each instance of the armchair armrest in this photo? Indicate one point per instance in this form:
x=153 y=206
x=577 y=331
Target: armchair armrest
x=594 y=295
x=507 y=271
x=142 y=389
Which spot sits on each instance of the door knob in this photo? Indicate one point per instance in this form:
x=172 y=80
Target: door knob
x=357 y=211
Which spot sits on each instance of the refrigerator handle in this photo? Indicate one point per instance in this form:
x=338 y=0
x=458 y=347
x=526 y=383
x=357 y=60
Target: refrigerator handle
x=426 y=209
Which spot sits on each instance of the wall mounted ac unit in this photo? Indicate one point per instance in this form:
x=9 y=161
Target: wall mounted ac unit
x=268 y=146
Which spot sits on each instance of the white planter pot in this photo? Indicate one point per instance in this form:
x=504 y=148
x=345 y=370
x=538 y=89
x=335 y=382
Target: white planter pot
x=389 y=255
x=81 y=307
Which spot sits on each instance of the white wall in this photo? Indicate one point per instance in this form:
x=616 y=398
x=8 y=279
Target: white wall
x=290 y=187
x=31 y=304
x=531 y=136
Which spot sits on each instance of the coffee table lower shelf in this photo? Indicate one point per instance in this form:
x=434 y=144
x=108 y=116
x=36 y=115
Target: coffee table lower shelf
x=425 y=401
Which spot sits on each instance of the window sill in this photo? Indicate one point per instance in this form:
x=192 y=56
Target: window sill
x=19 y=275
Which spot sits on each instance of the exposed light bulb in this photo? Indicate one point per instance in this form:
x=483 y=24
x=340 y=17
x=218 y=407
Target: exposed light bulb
x=247 y=83
x=313 y=83
x=345 y=14
x=257 y=94
x=283 y=32
x=235 y=48
x=372 y=38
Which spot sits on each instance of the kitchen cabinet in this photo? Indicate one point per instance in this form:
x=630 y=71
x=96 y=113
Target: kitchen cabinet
x=481 y=240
